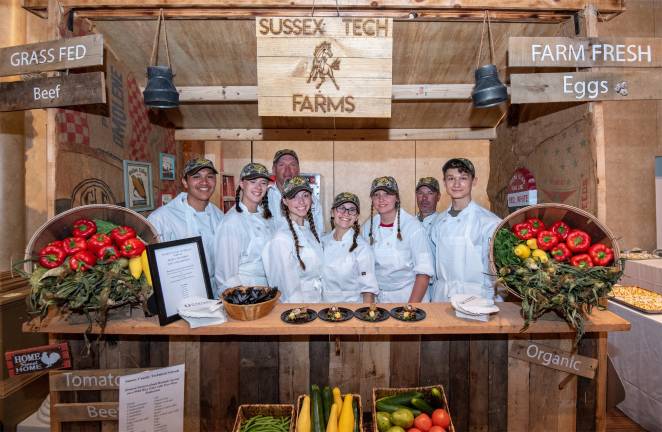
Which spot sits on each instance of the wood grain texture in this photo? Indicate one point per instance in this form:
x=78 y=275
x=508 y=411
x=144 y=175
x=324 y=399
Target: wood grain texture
x=458 y=393
x=498 y=384
x=479 y=376
x=293 y=368
x=344 y=354
x=518 y=391
x=258 y=370
x=405 y=361
x=186 y=350
x=435 y=357
x=375 y=356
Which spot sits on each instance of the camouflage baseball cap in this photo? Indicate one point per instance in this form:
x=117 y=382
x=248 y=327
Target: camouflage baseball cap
x=195 y=165
x=430 y=182
x=294 y=185
x=459 y=163
x=386 y=183
x=280 y=153
x=253 y=171
x=346 y=197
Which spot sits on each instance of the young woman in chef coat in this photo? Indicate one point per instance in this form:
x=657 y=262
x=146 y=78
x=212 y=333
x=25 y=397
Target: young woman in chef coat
x=348 y=275
x=293 y=257
x=403 y=260
x=244 y=233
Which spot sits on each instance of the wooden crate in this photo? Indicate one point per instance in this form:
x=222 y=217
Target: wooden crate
x=356 y=398
x=246 y=412
x=378 y=393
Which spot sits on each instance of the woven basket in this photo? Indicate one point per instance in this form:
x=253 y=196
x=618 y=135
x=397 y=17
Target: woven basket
x=378 y=393
x=60 y=226
x=245 y=412
x=549 y=213
x=356 y=398
x=249 y=312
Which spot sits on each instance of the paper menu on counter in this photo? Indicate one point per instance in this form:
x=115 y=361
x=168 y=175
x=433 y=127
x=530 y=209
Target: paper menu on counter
x=152 y=401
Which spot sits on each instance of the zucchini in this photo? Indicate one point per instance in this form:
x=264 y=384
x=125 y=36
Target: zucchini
x=316 y=409
x=437 y=398
x=389 y=408
x=422 y=405
x=327 y=397
x=357 y=420
x=400 y=399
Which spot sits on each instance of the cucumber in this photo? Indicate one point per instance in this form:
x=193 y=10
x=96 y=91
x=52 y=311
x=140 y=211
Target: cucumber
x=357 y=420
x=327 y=397
x=316 y=410
x=421 y=405
x=400 y=399
x=389 y=408
x=437 y=399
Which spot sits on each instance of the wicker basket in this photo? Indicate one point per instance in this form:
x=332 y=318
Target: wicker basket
x=59 y=227
x=378 y=393
x=245 y=412
x=249 y=312
x=356 y=397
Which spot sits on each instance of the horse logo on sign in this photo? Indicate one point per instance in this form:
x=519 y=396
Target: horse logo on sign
x=321 y=68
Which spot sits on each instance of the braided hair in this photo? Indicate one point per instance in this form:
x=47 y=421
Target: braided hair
x=237 y=199
x=357 y=231
x=297 y=246
x=266 y=212
x=372 y=239
x=397 y=206
x=311 y=221
x=333 y=224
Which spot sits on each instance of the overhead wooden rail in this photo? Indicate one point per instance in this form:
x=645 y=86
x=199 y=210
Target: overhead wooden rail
x=456 y=10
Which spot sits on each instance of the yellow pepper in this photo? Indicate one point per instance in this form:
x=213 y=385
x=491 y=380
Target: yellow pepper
x=540 y=255
x=145 y=266
x=532 y=244
x=522 y=251
x=135 y=267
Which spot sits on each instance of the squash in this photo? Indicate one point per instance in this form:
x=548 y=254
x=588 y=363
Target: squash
x=303 y=421
x=346 y=420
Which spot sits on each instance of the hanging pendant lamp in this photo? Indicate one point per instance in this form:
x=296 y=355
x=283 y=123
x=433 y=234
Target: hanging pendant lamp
x=160 y=91
x=489 y=91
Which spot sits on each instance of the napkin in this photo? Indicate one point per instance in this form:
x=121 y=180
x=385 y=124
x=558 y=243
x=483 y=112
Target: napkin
x=474 y=307
x=201 y=311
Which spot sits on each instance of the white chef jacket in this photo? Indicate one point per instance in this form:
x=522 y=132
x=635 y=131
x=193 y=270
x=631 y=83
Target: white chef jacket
x=429 y=220
x=283 y=269
x=461 y=248
x=398 y=262
x=178 y=220
x=347 y=275
x=239 y=241
x=275 y=197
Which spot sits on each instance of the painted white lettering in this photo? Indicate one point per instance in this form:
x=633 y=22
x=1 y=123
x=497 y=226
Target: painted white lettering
x=560 y=52
x=547 y=52
x=595 y=51
x=535 y=51
x=648 y=54
x=576 y=52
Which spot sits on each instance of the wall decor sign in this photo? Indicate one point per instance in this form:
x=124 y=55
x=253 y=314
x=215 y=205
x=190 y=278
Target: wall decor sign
x=554 y=358
x=166 y=166
x=36 y=359
x=522 y=189
x=324 y=67
x=138 y=191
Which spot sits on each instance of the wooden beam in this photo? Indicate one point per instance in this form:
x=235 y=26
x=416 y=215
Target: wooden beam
x=334 y=134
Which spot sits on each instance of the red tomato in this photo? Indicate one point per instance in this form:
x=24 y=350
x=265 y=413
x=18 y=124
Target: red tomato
x=440 y=418
x=414 y=430
x=423 y=422
x=437 y=429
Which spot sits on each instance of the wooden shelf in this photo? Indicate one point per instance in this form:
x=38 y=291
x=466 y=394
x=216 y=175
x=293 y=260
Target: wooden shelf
x=440 y=320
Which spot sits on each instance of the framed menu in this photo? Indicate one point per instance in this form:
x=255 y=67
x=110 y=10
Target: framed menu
x=179 y=272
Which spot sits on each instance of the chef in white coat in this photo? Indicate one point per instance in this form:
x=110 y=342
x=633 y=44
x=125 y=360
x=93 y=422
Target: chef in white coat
x=286 y=166
x=427 y=198
x=403 y=260
x=348 y=275
x=190 y=213
x=293 y=257
x=244 y=233
x=461 y=237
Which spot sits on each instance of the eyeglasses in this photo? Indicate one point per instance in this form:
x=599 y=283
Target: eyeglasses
x=352 y=211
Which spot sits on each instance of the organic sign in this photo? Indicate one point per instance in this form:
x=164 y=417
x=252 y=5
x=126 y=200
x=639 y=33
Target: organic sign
x=37 y=359
x=67 y=90
x=585 y=86
x=58 y=54
x=584 y=52
x=324 y=67
x=522 y=189
x=554 y=358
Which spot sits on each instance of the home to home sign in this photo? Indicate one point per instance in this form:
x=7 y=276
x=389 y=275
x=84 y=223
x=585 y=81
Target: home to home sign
x=324 y=67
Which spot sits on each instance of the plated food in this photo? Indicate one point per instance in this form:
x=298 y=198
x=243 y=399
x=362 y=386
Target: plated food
x=298 y=316
x=335 y=314
x=371 y=313
x=638 y=298
x=408 y=313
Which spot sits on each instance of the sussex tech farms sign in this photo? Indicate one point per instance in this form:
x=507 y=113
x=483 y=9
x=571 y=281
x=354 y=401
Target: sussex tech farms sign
x=324 y=67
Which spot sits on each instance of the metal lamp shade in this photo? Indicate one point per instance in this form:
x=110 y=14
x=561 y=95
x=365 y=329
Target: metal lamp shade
x=489 y=90
x=160 y=91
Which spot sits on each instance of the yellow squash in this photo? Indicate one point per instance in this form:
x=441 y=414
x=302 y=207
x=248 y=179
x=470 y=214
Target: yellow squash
x=346 y=420
x=337 y=399
x=135 y=267
x=145 y=265
x=303 y=422
x=332 y=425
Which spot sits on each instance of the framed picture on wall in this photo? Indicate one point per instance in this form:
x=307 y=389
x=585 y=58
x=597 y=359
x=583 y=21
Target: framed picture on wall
x=166 y=166
x=138 y=191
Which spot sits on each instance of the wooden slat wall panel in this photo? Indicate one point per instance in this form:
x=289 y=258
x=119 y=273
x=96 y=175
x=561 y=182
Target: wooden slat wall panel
x=518 y=392
x=586 y=388
x=458 y=391
x=186 y=349
x=294 y=368
x=567 y=396
x=498 y=384
x=79 y=361
x=258 y=370
x=478 y=382
x=319 y=360
x=344 y=355
x=219 y=388
x=544 y=395
x=375 y=359
x=405 y=361
x=435 y=361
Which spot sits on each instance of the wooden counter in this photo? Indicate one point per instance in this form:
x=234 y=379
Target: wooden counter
x=440 y=320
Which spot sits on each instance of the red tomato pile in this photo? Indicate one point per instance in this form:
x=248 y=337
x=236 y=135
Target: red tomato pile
x=87 y=247
x=564 y=243
x=437 y=422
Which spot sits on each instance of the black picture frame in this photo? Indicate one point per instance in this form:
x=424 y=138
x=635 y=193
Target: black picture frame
x=161 y=292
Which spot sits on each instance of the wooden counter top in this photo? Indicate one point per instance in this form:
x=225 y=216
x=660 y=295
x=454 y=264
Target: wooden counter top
x=440 y=319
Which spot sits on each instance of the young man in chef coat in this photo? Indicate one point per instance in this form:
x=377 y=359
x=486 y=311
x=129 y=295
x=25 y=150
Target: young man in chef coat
x=286 y=166
x=461 y=237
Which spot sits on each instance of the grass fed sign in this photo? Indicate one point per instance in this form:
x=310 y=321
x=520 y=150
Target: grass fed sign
x=324 y=67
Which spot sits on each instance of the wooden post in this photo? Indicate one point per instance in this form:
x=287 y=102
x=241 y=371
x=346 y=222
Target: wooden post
x=55 y=17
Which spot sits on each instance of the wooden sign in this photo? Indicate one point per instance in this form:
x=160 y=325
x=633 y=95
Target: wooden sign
x=584 y=52
x=554 y=358
x=585 y=86
x=324 y=67
x=57 y=54
x=67 y=90
x=37 y=359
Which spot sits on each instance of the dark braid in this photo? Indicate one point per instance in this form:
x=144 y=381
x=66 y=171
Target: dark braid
x=333 y=225
x=398 y=216
x=372 y=239
x=266 y=213
x=357 y=230
x=286 y=212
x=237 y=199
x=311 y=221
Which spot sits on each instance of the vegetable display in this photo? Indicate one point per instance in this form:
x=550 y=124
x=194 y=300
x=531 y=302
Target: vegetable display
x=412 y=411
x=327 y=411
x=262 y=423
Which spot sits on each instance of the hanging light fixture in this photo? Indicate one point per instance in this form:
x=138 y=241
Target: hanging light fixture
x=160 y=91
x=489 y=91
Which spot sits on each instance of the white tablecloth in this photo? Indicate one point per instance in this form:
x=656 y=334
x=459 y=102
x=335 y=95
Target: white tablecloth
x=637 y=359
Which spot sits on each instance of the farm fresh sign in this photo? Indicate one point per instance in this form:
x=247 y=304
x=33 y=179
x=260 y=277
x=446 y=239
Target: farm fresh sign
x=324 y=67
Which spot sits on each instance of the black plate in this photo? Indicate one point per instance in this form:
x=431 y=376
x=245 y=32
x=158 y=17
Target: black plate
x=419 y=314
x=312 y=315
x=346 y=315
x=362 y=314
